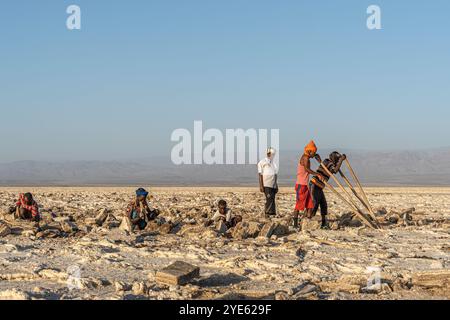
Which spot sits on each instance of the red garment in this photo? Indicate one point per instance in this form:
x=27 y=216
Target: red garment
x=33 y=208
x=304 y=198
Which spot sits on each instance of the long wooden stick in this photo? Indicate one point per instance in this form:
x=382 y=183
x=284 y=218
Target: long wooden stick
x=366 y=205
x=340 y=185
x=359 y=185
x=357 y=212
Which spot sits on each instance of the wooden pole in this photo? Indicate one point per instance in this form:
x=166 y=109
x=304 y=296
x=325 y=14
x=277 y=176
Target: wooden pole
x=366 y=205
x=340 y=185
x=359 y=185
x=357 y=211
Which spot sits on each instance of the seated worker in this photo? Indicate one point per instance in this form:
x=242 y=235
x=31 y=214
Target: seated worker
x=225 y=214
x=26 y=208
x=333 y=164
x=138 y=210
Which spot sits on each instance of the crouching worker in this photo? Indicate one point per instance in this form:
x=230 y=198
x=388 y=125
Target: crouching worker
x=139 y=212
x=26 y=208
x=226 y=215
x=317 y=184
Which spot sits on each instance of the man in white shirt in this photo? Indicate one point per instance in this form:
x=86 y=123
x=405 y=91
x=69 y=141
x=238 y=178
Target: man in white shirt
x=268 y=173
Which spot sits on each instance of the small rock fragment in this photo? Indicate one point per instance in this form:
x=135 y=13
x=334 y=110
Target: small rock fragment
x=281 y=295
x=139 y=288
x=122 y=286
x=68 y=226
x=381 y=212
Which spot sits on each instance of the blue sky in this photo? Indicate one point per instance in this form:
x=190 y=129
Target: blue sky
x=140 y=69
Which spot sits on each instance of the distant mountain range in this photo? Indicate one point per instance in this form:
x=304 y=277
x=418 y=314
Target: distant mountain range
x=424 y=167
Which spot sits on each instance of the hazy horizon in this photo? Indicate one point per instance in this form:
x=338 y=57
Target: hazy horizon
x=325 y=151
x=406 y=168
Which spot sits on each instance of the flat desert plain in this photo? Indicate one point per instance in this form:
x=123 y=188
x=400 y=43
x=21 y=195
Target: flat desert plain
x=82 y=251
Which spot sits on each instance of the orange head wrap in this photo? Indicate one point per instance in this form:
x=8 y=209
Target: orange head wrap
x=311 y=148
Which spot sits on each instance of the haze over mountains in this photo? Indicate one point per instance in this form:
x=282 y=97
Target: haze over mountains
x=423 y=167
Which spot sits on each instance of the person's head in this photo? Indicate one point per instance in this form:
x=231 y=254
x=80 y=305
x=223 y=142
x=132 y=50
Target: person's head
x=270 y=152
x=335 y=156
x=28 y=198
x=311 y=149
x=141 y=194
x=222 y=206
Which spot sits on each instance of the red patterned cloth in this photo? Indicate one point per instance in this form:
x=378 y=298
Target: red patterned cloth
x=304 y=199
x=33 y=208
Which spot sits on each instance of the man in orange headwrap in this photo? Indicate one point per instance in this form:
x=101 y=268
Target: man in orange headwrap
x=304 y=200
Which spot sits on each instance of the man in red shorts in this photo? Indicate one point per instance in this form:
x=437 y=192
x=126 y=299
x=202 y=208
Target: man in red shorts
x=304 y=200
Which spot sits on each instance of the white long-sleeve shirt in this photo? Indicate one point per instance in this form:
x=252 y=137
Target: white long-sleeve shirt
x=268 y=169
x=228 y=215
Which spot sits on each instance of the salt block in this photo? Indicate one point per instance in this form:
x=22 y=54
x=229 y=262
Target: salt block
x=432 y=278
x=178 y=273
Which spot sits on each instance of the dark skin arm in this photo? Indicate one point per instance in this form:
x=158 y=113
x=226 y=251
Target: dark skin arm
x=261 y=183
x=305 y=162
x=337 y=167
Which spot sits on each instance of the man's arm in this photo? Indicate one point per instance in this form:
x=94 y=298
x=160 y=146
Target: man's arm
x=260 y=176
x=337 y=167
x=307 y=166
x=261 y=183
x=276 y=176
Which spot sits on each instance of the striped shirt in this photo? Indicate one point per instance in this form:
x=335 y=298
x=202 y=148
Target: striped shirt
x=330 y=166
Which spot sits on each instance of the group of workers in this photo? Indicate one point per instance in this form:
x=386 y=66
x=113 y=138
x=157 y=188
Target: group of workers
x=309 y=193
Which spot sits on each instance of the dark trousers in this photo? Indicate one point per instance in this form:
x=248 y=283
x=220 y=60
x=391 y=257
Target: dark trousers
x=142 y=223
x=234 y=221
x=270 y=208
x=319 y=200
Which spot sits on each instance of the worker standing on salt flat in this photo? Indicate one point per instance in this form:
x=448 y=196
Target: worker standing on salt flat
x=268 y=184
x=333 y=164
x=304 y=201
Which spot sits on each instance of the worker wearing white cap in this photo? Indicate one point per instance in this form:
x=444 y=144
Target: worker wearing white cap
x=268 y=172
